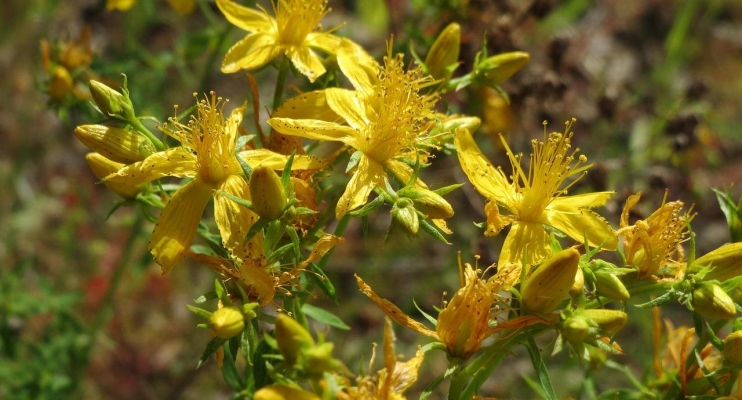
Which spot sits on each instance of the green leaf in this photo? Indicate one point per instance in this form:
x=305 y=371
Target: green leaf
x=246 y=168
x=426 y=315
x=239 y=200
x=323 y=316
x=369 y=207
x=660 y=301
x=432 y=231
x=541 y=372
x=447 y=189
x=242 y=141
x=199 y=311
x=286 y=176
x=206 y=297
x=211 y=347
x=320 y=279
x=229 y=369
x=222 y=293
x=261 y=377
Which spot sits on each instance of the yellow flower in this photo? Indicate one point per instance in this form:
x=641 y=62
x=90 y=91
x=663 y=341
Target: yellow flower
x=291 y=32
x=654 y=242
x=537 y=197
x=385 y=116
x=121 y=5
x=182 y=7
x=390 y=382
x=207 y=154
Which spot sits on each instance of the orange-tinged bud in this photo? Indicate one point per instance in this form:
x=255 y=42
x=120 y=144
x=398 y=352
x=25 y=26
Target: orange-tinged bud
x=60 y=83
x=724 y=262
x=227 y=322
x=116 y=144
x=266 y=191
x=733 y=348
x=575 y=329
x=498 y=68
x=579 y=284
x=609 y=285
x=443 y=56
x=112 y=103
x=404 y=214
x=282 y=392
x=710 y=301
x=428 y=202
x=550 y=283
x=291 y=338
x=102 y=167
x=610 y=321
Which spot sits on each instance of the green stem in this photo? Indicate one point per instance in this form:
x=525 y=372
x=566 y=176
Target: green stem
x=458 y=382
x=283 y=73
x=146 y=132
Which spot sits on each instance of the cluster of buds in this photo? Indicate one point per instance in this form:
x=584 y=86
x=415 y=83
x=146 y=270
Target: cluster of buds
x=587 y=325
x=300 y=352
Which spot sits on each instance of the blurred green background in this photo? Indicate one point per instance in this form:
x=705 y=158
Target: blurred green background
x=655 y=86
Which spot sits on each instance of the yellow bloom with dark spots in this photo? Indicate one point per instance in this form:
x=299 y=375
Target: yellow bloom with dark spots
x=291 y=32
x=537 y=197
x=206 y=154
x=385 y=116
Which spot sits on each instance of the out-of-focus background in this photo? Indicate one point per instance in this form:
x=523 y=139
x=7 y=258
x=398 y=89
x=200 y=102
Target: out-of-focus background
x=655 y=86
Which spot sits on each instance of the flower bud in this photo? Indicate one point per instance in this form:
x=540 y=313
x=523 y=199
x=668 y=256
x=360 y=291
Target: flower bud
x=428 y=202
x=610 y=321
x=579 y=284
x=443 y=56
x=498 y=68
x=116 y=144
x=282 y=392
x=404 y=214
x=182 y=7
x=724 y=262
x=319 y=360
x=112 y=103
x=292 y=338
x=609 y=285
x=102 y=167
x=60 y=83
x=575 y=329
x=227 y=322
x=733 y=348
x=266 y=191
x=550 y=283
x=710 y=301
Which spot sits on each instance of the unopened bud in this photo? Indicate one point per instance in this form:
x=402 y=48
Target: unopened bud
x=443 y=56
x=227 y=322
x=724 y=262
x=428 y=202
x=60 y=83
x=291 y=338
x=610 y=321
x=609 y=285
x=575 y=329
x=112 y=103
x=266 y=191
x=116 y=144
x=102 y=167
x=550 y=283
x=404 y=214
x=733 y=348
x=498 y=68
x=319 y=360
x=579 y=284
x=710 y=301
x=282 y=392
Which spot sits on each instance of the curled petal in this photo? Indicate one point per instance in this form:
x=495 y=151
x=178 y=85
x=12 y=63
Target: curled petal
x=358 y=66
x=368 y=175
x=306 y=62
x=323 y=41
x=244 y=17
x=177 y=162
x=252 y=52
x=488 y=180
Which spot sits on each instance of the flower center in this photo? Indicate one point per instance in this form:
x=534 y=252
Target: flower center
x=298 y=18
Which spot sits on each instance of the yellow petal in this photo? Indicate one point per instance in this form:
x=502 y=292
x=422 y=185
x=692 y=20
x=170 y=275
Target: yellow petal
x=495 y=220
x=360 y=68
x=254 y=51
x=368 y=175
x=310 y=105
x=233 y=220
x=521 y=234
x=324 y=41
x=177 y=162
x=315 y=129
x=393 y=311
x=628 y=205
x=232 y=127
x=488 y=181
x=183 y=7
x=587 y=200
x=177 y=224
x=580 y=223
x=306 y=62
x=323 y=245
x=347 y=104
x=278 y=161
x=244 y=17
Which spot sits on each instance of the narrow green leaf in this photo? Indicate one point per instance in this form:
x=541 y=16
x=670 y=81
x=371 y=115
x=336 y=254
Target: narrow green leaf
x=323 y=316
x=211 y=347
x=660 y=301
x=432 y=231
x=229 y=369
x=199 y=311
x=206 y=297
x=320 y=279
x=246 y=168
x=541 y=372
x=426 y=315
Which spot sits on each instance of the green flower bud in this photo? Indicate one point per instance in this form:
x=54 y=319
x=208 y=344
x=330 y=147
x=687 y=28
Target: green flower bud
x=102 y=167
x=609 y=285
x=575 y=329
x=404 y=214
x=710 y=301
x=724 y=262
x=116 y=144
x=60 y=83
x=550 y=283
x=319 y=360
x=292 y=338
x=610 y=321
x=443 y=56
x=498 y=68
x=427 y=202
x=282 y=392
x=227 y=322
x=112 y=103
x=733 y=349
x=266 y=191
